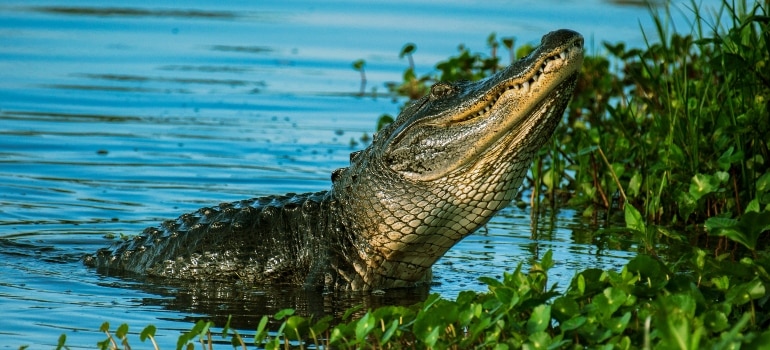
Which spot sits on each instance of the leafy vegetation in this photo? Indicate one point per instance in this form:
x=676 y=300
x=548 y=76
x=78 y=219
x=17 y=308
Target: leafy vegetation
x=676 y=137
x=701 y=301
x=679 y=130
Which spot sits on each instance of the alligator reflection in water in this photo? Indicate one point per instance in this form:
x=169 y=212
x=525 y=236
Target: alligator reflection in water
x=218 y=301
x=449 y=162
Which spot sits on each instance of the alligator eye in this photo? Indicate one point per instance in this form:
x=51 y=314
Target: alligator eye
x=439 y=90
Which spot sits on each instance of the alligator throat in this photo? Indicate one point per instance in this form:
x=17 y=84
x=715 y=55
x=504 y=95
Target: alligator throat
x=441 y=170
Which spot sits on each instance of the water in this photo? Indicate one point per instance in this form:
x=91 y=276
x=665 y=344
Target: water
x=115 y=117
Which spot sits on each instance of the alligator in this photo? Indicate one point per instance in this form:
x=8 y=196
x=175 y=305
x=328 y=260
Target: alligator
x=436 y=174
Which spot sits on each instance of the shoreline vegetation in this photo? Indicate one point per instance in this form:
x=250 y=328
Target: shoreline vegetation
x=672 y=138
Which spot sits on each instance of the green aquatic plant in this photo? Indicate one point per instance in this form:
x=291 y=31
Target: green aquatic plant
x=688 y=117
x=701 y=301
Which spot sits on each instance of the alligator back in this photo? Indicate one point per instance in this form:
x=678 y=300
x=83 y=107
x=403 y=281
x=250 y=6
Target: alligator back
x=275 y=239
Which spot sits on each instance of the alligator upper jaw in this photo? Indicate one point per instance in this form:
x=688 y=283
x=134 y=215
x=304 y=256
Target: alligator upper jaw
x=525 y=82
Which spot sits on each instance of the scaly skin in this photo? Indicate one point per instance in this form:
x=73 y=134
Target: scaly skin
x=448 y=163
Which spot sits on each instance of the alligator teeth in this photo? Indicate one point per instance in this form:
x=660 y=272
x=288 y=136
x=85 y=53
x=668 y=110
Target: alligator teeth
x=525 y=85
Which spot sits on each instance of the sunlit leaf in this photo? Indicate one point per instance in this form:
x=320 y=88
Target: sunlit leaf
x=540 y=319
x=634 y=220
x=702 y=184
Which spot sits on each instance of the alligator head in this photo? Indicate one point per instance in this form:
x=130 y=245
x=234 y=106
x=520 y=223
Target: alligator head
x=447 y=164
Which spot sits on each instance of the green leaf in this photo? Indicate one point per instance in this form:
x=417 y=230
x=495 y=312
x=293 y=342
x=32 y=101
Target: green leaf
x=752 y=206
x=261 y=332
x=507 y=296
x=363 y=327
x=122 y=331
x=431 y=338
x=226 y=328
x=745 y=292
x=296 y=327
x=609 y=301
x=715 y=321
x=540 y=319
x=392 y=327
x=564 y=308
x=634 y=185
x=491 y=282
x=727 y=158
x=147 y=332
x=716 y=222
x=687 y=203
x=634 y=219
x=383 y=121
x=351 y=311
x=573 y=323
x=763 y=183
x=408 y=49
x=745 y=231
x=702 y=184
x=618 y=324
x=652 y=274
x=359 y=64
x=321 y=325
x=547 y=261
x=283 y=313
x=62 y=341
x=540 y=340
